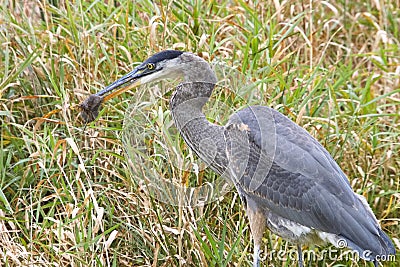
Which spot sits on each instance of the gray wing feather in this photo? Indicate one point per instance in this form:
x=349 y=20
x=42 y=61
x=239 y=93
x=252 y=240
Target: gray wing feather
x=296 y=178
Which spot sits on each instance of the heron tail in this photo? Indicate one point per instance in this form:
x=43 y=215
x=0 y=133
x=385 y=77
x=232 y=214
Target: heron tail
x=376 y=253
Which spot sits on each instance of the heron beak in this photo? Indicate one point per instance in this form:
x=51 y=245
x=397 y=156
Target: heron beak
x=127 y=82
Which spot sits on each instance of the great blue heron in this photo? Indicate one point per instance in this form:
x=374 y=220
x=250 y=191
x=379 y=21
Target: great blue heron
x=286 y=180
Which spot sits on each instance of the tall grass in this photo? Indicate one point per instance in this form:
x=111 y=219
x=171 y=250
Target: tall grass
x=67 y=192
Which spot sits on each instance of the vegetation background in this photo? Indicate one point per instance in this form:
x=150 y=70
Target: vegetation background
x=67 y=195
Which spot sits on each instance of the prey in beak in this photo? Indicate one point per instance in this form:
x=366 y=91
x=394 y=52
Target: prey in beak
x=91 y=105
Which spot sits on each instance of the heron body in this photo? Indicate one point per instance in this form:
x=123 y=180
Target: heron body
x=286 y=179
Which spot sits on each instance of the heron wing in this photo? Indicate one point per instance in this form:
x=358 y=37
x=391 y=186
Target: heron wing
x=279 y=164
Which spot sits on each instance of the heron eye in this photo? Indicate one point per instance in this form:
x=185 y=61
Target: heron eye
x=151 y=66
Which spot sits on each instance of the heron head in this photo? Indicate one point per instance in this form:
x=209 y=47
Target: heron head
x=165 y=64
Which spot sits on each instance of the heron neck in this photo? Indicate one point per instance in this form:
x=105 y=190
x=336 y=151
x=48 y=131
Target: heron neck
x=197 y=70
x=204 y=138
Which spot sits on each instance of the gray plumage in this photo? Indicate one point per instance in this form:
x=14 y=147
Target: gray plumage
x=286 y=179
x=304 y=184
